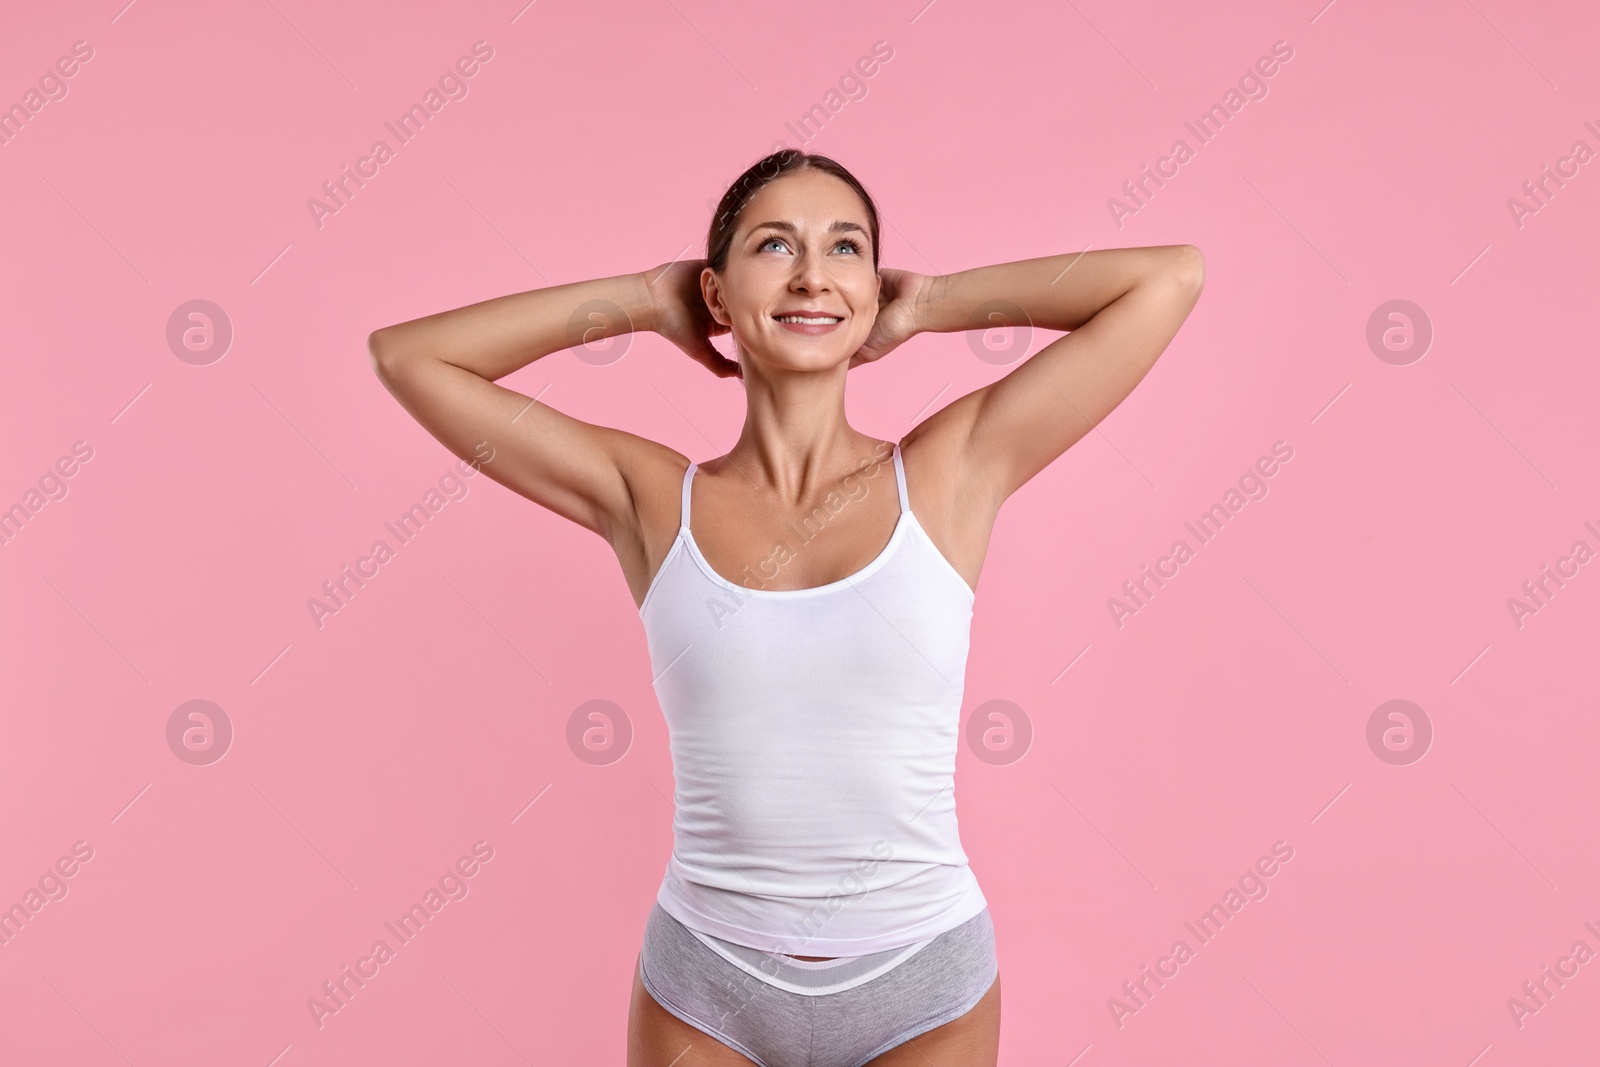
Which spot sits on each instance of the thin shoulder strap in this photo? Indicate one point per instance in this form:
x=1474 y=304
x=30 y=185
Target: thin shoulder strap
x=900 y=479
x=683 y=511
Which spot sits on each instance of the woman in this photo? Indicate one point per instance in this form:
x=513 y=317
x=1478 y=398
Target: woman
x=809 y=635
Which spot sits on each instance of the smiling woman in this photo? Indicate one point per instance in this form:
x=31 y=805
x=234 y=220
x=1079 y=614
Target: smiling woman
x=769 y=244
x=818 y=909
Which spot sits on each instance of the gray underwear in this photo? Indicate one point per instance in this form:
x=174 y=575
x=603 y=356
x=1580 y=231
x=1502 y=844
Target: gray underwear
x=783 y=1012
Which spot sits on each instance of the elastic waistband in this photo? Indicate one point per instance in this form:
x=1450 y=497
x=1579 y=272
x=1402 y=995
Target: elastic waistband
x=814 y=977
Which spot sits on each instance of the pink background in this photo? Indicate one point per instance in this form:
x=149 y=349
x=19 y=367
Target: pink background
x=1228 y=714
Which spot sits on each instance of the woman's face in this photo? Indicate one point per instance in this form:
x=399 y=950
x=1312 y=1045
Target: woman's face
x=802 y=248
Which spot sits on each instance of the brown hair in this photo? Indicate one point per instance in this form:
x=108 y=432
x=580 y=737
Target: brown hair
x=762 y=173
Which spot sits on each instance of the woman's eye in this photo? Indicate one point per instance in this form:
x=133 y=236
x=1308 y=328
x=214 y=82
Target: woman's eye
x=844 y=242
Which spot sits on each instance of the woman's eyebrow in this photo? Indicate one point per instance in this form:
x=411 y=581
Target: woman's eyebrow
x=789 y=227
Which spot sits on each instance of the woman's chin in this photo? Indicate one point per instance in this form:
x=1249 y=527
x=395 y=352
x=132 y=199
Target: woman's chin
x=807 y=355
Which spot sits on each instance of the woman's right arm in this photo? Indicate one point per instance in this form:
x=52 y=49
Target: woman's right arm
x=442 y=369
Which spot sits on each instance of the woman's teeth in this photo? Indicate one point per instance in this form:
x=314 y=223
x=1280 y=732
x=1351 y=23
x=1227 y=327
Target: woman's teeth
x=820 y=320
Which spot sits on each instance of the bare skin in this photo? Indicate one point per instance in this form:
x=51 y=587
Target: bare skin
x=1120 y=307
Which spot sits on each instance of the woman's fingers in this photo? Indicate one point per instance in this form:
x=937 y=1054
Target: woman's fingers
x=717 y=363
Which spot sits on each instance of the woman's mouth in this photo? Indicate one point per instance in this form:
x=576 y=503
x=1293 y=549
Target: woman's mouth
x=808 y=324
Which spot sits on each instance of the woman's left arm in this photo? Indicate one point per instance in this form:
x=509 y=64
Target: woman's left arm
x=1122 y=306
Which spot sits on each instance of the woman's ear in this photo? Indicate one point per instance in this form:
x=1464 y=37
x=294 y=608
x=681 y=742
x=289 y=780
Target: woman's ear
x=711 y=290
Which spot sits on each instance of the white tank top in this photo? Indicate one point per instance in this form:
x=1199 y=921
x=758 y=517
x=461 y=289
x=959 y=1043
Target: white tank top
x=813 y=736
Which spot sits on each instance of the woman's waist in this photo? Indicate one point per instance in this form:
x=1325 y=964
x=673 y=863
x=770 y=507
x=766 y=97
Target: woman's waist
x=843 y=918
x=819 y=821
x=800 y=862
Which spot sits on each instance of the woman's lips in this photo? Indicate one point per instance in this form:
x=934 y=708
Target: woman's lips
x=812 y=329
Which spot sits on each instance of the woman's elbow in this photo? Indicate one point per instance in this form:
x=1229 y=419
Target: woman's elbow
x=1191 y=268
x=381 y=348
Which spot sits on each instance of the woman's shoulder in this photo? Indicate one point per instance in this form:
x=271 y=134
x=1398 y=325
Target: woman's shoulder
x=642 y=537
x=653 y=473
x=957 y=515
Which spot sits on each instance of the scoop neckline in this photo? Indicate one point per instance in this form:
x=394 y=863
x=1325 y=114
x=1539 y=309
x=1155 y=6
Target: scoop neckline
x=895 y=537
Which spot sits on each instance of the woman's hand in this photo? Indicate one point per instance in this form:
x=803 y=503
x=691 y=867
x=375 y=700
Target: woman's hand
x=679 y=314
x=902 y=295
